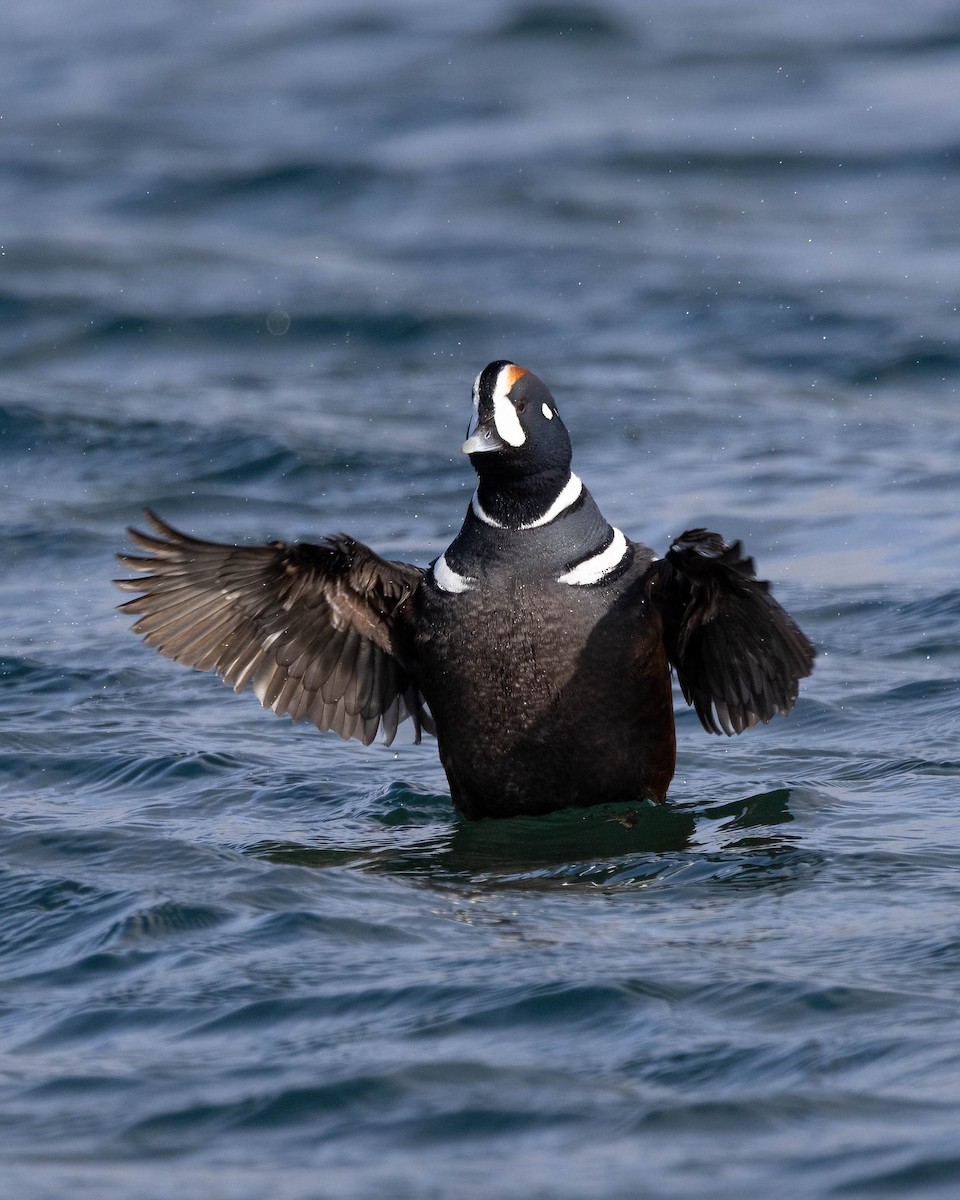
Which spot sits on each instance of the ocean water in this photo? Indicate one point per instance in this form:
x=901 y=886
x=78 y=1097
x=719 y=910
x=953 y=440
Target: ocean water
x=251 y=258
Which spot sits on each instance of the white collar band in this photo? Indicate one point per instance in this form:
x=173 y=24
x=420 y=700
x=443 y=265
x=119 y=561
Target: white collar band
x=569 y=494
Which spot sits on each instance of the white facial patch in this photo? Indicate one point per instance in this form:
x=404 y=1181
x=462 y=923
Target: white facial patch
x=547 y=412
x=593 y=569
x=505 y=418
x=449 y=580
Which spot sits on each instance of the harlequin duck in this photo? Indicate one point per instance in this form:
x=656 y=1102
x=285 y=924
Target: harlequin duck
x=537 y=647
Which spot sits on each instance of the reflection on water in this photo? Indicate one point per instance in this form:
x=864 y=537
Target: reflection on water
x=610 y=846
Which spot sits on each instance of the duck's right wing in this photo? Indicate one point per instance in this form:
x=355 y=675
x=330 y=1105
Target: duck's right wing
x=738 y=655
x=324 y=633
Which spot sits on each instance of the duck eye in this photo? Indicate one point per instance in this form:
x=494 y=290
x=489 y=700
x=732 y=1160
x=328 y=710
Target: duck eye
x=520 y=405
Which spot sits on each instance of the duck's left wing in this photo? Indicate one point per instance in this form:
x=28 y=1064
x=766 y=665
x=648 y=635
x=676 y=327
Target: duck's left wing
x=323 y=633
x=738 y=655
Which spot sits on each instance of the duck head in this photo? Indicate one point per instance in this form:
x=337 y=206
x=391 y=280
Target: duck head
x=516 y=429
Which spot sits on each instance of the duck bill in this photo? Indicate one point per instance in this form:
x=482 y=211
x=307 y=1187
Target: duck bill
x=482 y=438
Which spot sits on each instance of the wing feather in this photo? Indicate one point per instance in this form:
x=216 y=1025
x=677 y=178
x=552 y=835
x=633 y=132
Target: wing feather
x=323 y=632
x=738 y=655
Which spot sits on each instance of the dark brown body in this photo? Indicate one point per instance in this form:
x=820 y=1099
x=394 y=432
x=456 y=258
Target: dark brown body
x=538 y=646
x=546 y=695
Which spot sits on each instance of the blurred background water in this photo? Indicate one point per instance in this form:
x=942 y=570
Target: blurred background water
x=251 y=258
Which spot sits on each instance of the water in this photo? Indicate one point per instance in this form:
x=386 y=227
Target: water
x=252 y=258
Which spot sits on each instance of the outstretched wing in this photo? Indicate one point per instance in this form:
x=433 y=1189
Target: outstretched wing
x=322 y=632
x=739 y=657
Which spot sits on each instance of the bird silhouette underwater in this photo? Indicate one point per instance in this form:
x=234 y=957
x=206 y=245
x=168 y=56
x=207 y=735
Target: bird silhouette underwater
x=537 y=647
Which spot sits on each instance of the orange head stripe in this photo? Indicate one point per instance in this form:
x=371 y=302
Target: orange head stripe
x=512 y=374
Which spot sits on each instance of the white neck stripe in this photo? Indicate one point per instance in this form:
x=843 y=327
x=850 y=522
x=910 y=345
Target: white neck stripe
x=569 y=495
x=593 y=569
x=485 y=517
x=449 y=580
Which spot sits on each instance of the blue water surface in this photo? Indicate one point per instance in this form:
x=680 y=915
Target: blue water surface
x=251 y=258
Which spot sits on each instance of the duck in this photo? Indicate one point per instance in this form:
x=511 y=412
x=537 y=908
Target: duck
x=538 y=648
